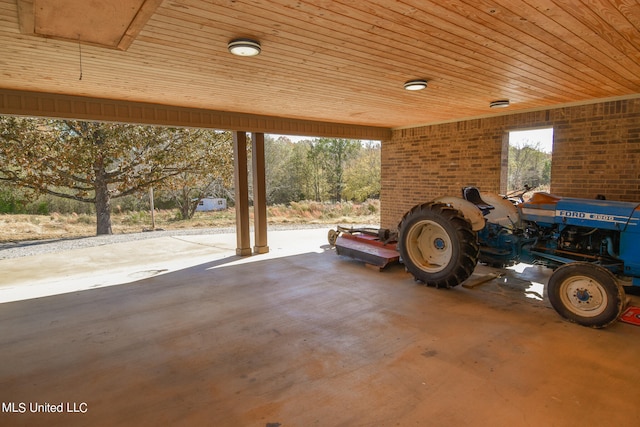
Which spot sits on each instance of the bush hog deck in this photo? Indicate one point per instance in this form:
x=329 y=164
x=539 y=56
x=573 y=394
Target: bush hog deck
x=374 y=246
x=593 y=246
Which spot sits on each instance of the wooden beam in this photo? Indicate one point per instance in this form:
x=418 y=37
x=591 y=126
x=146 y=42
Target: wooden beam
x=259 y=194
x=146 y=11
x=23 y=103
x=26 y=16
x=243 y=240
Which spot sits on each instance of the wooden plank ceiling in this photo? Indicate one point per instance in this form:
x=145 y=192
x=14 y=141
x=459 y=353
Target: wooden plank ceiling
x=342 y=61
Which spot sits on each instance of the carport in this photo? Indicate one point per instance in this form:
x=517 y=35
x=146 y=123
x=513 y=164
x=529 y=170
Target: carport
x=308 y=339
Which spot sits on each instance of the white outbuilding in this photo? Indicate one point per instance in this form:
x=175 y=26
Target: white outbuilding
x=209 y=204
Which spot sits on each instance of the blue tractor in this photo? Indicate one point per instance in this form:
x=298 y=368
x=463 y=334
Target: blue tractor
x=592 y=245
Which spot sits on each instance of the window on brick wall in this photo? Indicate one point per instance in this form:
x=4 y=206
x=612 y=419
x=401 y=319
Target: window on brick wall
x=529 y=161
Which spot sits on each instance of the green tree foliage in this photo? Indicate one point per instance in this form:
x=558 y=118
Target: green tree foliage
x=317 y=159
x=286 y=170
x=321 y=170
x=362 y=174
x=13 y=200
x=528 y=165
x=337 y=152
x=96 y=162
x=327 y=159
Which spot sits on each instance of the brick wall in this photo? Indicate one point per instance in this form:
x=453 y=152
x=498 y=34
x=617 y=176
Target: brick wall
x=596 y=150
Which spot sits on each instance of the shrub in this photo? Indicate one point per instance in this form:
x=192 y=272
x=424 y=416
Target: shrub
x=372 y=206
x=10 y=202
x=42 y=208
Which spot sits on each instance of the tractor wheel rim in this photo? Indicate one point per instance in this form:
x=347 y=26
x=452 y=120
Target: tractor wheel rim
x=431 y=247
x=583 y=296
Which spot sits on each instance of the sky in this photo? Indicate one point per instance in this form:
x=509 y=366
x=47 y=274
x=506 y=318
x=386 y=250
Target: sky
x=294 y=138
x=542 y=136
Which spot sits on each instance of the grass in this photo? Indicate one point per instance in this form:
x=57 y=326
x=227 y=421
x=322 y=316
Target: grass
x=55 y=226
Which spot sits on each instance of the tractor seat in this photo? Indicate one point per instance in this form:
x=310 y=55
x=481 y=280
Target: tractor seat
x=472 y=194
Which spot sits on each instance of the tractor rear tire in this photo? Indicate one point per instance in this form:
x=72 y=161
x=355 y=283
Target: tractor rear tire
x=587 y=294
x=437 y=245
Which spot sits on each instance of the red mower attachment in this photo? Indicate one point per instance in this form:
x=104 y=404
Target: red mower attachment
x=374 y=246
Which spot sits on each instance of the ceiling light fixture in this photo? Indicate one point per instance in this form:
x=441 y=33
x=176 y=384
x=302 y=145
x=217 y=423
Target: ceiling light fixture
x=415 y=84
x=501 y=103
x=244 y=47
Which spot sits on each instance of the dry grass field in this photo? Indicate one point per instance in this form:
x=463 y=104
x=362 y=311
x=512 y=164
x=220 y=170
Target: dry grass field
x=55 y=226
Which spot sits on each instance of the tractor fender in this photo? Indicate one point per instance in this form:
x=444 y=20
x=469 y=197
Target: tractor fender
x=470 y=211
x=504 y=212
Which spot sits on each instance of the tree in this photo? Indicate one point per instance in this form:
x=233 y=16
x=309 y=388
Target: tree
x=277 y=174
x=362 y=174
x=213 y=176
x=336 y=154
x=529 y=165
x=327 y=158
x=321 y=169
x=300 y=172
x=93 y=162
x=316 y=160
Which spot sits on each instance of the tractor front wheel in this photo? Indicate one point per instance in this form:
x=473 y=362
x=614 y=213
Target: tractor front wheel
x=437 y=245
x=586 y=294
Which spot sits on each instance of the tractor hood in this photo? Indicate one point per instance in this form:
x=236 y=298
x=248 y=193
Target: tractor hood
x=603 y=214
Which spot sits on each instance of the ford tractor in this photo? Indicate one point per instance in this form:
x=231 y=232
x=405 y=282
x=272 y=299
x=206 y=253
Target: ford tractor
x=592 y=245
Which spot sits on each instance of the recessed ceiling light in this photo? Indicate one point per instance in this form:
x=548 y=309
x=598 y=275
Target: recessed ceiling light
x=244 y=47
x=501 y=103
x=415 y=84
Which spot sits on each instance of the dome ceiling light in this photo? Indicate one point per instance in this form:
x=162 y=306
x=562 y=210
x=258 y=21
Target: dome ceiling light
x=501 y=103
x=244 y=47
x=415 y=84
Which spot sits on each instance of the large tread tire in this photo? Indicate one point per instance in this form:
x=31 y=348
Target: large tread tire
x=587 y=294
x=437 y=245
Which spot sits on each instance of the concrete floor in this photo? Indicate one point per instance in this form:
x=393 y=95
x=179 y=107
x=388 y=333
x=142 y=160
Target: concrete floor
x=296 y=337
